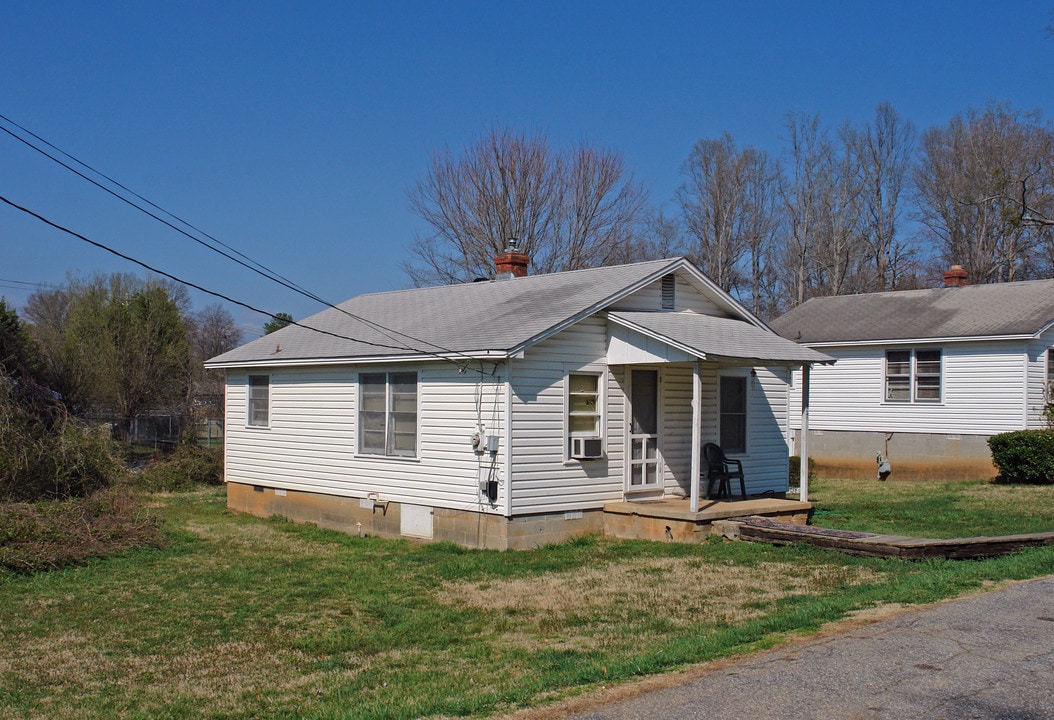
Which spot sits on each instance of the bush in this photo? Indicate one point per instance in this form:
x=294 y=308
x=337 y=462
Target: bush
x=1025 y=456
x=45 y=453
x=184 y=468
x=57 y=533
x=795 y=470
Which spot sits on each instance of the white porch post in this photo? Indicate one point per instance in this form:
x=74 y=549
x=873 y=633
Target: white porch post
x=803 y=441
x=697 y=441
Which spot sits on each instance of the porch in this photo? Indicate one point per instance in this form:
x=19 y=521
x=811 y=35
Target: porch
x=672 y=519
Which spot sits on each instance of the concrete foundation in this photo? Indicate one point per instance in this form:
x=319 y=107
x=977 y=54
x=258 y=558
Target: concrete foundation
x=365 y=517
x=664 y=520
x=912 y=456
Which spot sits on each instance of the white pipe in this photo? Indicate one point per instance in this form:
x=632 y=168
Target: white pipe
x=697 y=441
x=803 y=449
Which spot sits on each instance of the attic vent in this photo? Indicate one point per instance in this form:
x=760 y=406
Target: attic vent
x=669 y=282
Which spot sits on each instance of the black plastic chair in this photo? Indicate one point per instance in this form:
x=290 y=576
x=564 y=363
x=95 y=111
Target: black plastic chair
x=722 y=471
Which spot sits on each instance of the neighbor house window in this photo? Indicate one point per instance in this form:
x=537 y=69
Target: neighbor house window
x=388 y=414
x=733 y=420
x=913 y=375
x=259 y=400
x=1050 y=376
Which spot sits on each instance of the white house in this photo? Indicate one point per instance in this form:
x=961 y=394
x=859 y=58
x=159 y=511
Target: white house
x=506 y=413
x=925 y=377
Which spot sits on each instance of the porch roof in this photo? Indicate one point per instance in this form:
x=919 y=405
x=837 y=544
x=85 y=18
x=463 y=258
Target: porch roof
x=717 y=338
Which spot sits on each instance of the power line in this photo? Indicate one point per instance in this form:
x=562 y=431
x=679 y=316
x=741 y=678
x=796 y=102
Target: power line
x=263 y=271
x=152 y=269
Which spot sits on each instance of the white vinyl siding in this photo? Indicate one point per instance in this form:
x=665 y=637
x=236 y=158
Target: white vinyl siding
x=311 y=444
x=1040 y=367
x=981 y=394
x=685 y=297
x=543 y=479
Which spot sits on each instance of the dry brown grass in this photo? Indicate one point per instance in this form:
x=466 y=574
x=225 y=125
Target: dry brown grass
x=682 y=592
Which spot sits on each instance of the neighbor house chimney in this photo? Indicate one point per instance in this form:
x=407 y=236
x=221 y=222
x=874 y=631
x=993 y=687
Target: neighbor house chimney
x=955 y=276
x=512 y=261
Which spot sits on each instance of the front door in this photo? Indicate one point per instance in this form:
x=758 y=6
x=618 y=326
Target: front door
x=644 y=466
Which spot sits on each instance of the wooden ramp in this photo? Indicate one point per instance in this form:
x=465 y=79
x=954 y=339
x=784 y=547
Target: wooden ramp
x=763 y=529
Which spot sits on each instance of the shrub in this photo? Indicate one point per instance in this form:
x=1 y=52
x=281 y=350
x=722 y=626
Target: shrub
x=57 y=533
x=45 y=453
x=1024 y=456
x=184 y=468
x=795 y=470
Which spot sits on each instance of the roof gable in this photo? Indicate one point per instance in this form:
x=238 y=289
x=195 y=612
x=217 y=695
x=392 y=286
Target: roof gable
x=492 y=318
x=1017 y=309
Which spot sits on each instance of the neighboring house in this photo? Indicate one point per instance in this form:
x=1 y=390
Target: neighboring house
x=925 y=376
x=506 y=413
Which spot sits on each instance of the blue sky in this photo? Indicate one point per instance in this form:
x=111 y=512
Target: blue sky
x=293 y=131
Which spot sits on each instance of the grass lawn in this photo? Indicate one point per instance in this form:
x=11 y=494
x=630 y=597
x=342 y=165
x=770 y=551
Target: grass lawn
x=244 y=618
x=934 y=509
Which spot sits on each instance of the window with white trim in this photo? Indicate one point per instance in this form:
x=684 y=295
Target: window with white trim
x=388 y=414
x=732 y=402
x=1050 y=377
x=913 y=375
x=583 y=409
x=258 y=410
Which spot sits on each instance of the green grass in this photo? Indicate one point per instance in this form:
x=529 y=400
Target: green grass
x=935 y=509
x=245 y=618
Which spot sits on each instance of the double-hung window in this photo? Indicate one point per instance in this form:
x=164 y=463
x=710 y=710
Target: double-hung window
x=1049 y=397
x=913 y=375
x=388 y=414
x=583 y=415
x=259 y=406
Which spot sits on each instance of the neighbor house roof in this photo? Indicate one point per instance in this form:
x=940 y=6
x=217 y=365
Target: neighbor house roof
x=494 y=318
x=1016 y=309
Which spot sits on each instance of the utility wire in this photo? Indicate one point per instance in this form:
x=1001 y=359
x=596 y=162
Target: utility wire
x=152 y=269
x=262 y=271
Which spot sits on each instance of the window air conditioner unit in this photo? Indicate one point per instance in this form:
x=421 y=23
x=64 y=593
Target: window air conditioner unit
x=1049 y=394
x=584 y=448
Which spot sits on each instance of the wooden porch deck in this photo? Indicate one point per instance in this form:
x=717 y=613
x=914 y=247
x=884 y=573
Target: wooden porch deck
x=670 y=519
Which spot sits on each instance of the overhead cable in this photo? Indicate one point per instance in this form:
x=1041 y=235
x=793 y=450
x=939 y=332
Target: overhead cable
x=260 y=269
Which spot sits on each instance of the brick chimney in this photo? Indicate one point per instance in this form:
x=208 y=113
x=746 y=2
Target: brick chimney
x=512 y=261
x=955 y=276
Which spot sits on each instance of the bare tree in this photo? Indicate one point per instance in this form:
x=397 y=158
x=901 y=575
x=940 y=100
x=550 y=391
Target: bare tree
x=713 y=201
x=760 y=227
x=968 y=184
x=884 y=149
x=802 y=183
x=837 y=249
x=567 y=211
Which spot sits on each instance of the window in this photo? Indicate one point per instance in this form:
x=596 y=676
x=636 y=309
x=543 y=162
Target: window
x=259 y=400
x=913 y=375
x=1050 y=377
x=388 y=414
x=583 y=412
x=733 y=421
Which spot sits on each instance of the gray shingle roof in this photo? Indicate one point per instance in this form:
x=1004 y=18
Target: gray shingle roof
x=716 y=337
x=495 y=317
x=1003 y=309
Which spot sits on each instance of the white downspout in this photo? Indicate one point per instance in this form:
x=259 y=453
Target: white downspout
x=507 y=510
x=697 y=441
x=803 y=449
